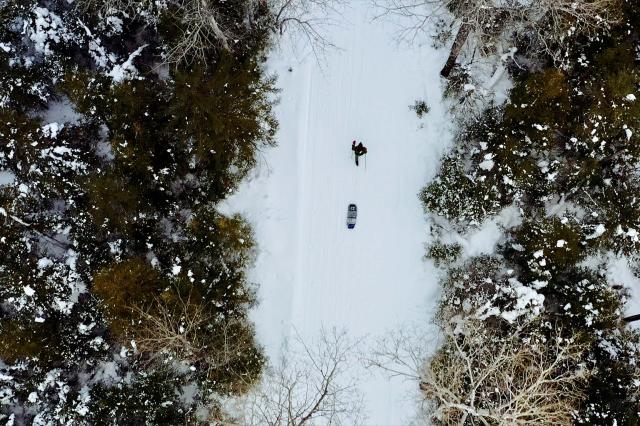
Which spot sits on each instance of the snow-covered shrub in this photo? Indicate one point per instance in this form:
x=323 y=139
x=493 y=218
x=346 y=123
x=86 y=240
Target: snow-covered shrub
x=468 y=96
x=146 y=398
x=483 y=288
x=459 y=198
x=487 y=298
x=443 y=254
x=546 y=246
x=613 y=392
x=581 y=300
x=565 y=136
x=420 y=107
x=549 y=252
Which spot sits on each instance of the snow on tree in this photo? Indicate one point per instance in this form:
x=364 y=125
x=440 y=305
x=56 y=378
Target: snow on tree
x=544 y=24
x=480 y=377
x=561 y=151
x=110 y=210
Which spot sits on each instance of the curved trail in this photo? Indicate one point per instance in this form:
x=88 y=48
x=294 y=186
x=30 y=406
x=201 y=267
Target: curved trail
x=312 y=271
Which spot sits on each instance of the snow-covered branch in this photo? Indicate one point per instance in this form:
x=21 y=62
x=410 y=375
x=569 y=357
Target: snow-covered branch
x=482 y=377
x=484 y=23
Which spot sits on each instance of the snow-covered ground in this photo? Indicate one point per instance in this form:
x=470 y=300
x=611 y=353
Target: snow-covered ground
x=619 y=272
x=312 y=271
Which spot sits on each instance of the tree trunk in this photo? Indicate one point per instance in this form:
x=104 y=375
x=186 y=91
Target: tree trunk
x=458 y=43
x=632 y=318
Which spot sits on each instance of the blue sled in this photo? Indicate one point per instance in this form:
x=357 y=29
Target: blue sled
x=352 y=215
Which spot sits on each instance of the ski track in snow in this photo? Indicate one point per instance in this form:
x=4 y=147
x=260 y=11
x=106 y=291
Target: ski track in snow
x=312 y=271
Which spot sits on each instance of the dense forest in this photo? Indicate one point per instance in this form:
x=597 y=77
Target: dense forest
x=536 y=332
x=124 y=295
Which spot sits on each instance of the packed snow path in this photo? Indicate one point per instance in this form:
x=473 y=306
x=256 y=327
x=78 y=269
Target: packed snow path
x=312 y=271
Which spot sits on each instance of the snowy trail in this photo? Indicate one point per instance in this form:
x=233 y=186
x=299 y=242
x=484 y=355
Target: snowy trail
x=312 y=271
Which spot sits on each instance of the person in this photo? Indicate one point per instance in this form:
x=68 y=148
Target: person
x=358 y=150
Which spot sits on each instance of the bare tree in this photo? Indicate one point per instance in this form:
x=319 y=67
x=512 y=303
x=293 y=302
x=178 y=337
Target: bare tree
x=185 y=330
x=309 y=387
x=201 y=30
x=545 y=22
x=305 y=19
x=201 y=26
x=480 y=377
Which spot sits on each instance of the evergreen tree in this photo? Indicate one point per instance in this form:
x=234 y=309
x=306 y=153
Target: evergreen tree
x=109 y=219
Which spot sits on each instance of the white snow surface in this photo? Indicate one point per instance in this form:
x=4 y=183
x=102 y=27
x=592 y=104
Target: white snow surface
x=62 y=112
x=6 y=177
x=312 y=271
x=619 y=271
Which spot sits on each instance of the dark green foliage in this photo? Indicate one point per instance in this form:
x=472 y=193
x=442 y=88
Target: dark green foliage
x=219 y=249
x=442 y=253
x=123 y=286
x=112 y=215
x=467 y=288
x=565 y=135
x=456 y=196
x=563 y=150
x=146 y=399
x=27 y=340
x=542 y=98
x=421 y=108
x=613 y=390
x=546 y=246
x=584 y=301
x=115 y=204
x=206 y=103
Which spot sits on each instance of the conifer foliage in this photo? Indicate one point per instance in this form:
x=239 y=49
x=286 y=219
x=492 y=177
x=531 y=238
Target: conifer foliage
x=118 y=137
x=562 y=154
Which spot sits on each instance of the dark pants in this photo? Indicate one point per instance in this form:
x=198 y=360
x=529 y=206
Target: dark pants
x=357 y=156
